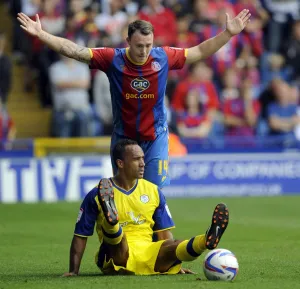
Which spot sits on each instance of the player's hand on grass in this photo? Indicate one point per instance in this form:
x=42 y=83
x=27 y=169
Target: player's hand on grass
x=69 y=274
x=34 y=28
x=186 y=271
x=238 y=23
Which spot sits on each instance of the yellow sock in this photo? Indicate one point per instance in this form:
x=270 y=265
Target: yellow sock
x=112 y=234
x=190 y=250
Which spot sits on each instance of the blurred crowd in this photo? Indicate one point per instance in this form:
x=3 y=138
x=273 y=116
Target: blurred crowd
x=248 y=88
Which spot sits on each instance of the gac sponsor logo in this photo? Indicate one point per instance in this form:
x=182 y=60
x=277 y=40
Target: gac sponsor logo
x=139 y=96
x=140 y=84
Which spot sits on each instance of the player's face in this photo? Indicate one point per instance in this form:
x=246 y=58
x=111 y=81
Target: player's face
x=140 y=46
x=133 y=162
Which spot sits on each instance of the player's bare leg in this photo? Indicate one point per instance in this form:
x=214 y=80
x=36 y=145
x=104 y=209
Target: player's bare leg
x=119 y=252
x=167 y=256
x=116 y=246
x=173 y=251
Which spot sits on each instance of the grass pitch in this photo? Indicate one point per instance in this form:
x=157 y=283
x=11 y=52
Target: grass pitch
x=263 y=232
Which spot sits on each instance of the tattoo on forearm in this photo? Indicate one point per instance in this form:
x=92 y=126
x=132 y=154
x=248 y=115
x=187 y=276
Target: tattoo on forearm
x=74 y=51
x=66 y=47
x=83 y=54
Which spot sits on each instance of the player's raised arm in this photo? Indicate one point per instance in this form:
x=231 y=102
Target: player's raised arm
x=76 y=252
x=207 y=48
x=58 y=44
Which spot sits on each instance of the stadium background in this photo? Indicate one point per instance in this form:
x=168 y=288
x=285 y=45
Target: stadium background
x=49 y=158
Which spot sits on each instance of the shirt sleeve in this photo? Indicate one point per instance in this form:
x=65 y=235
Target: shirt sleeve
x=87 y=216
x=162 y=216
x=101 y=58
x=176 y=57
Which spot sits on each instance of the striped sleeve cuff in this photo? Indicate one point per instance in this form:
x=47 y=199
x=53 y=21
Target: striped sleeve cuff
x=164 y=229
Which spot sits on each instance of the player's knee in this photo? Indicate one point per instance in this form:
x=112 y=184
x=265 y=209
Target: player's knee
x=168 y=251
x=167 y=256
x=169 y=244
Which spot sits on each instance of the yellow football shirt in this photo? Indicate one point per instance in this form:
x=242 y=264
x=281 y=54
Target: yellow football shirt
x=142 y=210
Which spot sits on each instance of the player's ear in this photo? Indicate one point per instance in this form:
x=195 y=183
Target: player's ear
x=120 y=164
x=128 y=40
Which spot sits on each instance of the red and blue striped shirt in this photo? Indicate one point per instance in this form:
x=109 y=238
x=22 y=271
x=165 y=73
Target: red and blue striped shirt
x=138 y=91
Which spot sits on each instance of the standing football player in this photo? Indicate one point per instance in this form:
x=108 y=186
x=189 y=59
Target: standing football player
x=138 y=78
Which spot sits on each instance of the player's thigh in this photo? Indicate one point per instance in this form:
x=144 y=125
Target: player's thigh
x=166 y=257
x=157 y=160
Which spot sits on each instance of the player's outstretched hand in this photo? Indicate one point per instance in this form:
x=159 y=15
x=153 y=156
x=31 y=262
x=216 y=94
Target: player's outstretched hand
x=34 y=28
x=238 y=23
x=186 y=271
x=69 y=274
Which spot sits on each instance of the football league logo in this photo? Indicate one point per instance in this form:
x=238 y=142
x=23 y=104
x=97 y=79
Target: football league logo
x=140 y=84
x=79 y=215
x=155 y=66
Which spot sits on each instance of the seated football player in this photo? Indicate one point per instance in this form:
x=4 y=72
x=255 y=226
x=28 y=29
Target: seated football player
x=127 y=211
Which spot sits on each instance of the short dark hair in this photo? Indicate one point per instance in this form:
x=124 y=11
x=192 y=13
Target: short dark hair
x=142 y=26
x=119 y=149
